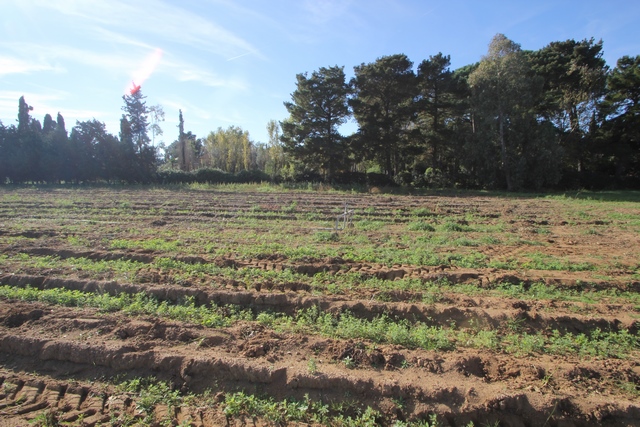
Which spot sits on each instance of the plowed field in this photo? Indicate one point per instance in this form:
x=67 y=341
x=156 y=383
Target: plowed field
x=210 y=306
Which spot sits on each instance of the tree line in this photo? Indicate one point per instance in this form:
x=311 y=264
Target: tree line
x=557 y=117
x=553 y=118
x=47 y=153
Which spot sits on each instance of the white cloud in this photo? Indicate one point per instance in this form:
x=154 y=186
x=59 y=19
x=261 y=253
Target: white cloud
x=122 y=62
x=114 y=37
x=189 y=73
x=154 y=18
x=53 y=52
x=12 y=65
x=325 y=10
x=45 y=103
x=31 y=97
x=186 y=107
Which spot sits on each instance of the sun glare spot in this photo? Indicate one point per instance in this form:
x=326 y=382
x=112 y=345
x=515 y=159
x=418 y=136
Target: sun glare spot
x=144 y=71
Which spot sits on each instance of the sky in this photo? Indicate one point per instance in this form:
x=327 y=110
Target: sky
x=234 y=62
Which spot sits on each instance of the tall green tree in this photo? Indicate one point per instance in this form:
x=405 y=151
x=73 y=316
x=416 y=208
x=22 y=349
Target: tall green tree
x=56 y=148
x=156 y=112
x=29 y=151
x=6 y=141
x=182 y=143
x=276 y=158
x=128 y=164
x=383 y=106
x=436 y=103
x=229 y=149
x=48 y=125
x=84 y=140
x=574 y=75
x=620 y=132
x=317 y=109
x=505 y=93
x=137 y=114
x=24 y=117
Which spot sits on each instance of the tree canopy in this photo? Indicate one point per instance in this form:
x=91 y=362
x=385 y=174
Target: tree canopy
x=317 y=109
x=555 y=118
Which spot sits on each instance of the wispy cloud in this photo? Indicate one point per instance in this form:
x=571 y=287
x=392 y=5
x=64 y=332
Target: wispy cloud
x=44 y=103
x=329 y=20
x=187 y=107
x=124 y=62
x=32 y=98
x=56 y=52
x=325 y=10
x=212 y=117
x=238 y=56
x=13 y=65
x=185 y=71
x=154 y=18
x=121 y=39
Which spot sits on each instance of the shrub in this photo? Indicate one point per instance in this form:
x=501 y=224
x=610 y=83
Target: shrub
x=420 y=226
x=379 y=180
x=350 y=178
x=175 y=177
x=210 y=175
x=252 y=176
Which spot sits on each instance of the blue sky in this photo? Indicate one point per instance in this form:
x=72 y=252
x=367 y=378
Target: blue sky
x=226 y=62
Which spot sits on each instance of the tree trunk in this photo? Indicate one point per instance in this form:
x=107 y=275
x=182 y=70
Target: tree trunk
x=503 y=152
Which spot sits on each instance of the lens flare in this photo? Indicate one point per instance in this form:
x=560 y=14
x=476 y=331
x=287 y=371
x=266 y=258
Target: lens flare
x=143 y=72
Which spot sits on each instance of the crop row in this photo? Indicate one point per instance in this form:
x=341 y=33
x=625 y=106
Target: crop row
x=176 y=271
x=381 y=329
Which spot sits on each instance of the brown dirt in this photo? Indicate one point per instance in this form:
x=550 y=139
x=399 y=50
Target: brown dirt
x=64 y=360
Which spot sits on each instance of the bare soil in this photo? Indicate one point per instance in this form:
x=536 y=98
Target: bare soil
x=66 y=360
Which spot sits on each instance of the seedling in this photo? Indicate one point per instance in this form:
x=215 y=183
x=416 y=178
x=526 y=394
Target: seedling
x=312 y=367
x=349 y=362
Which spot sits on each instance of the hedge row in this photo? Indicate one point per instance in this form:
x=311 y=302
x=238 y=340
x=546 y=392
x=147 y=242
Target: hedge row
x=217 y=176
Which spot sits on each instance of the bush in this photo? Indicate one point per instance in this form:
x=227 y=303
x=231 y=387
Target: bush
x=404 y=178
x=379 y=180
x=252 y=176
x=350 y=178
x=434 y=178
x=175 y=177
x=308 y=176
x=212 y=176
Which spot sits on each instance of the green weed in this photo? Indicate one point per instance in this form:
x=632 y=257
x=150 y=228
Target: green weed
x=420 y=226
x=326 y=236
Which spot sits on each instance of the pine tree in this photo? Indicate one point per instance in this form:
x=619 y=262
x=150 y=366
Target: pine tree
x=137 y=115
x=318 y=108
x=383 y=106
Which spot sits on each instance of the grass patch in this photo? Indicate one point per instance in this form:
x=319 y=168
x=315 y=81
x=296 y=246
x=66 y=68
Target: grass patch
x=420 y=226
x=159 y=245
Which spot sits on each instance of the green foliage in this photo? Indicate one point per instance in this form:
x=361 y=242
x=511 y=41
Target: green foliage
x=317 y=109
x=383 y=91
x=555 y=118
x=455 y=227
x=369 y=225
x=421 y=212
x=240 y=406
x=312 y=366
x=420 y=226
x=229 y=150
x=349 y=363
x=291 y=208
x=212 y=176
x=159 y=245
x=136 y=304
x=326 y=236
x=149 y=393
x=540 y=261
x=48 y=418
